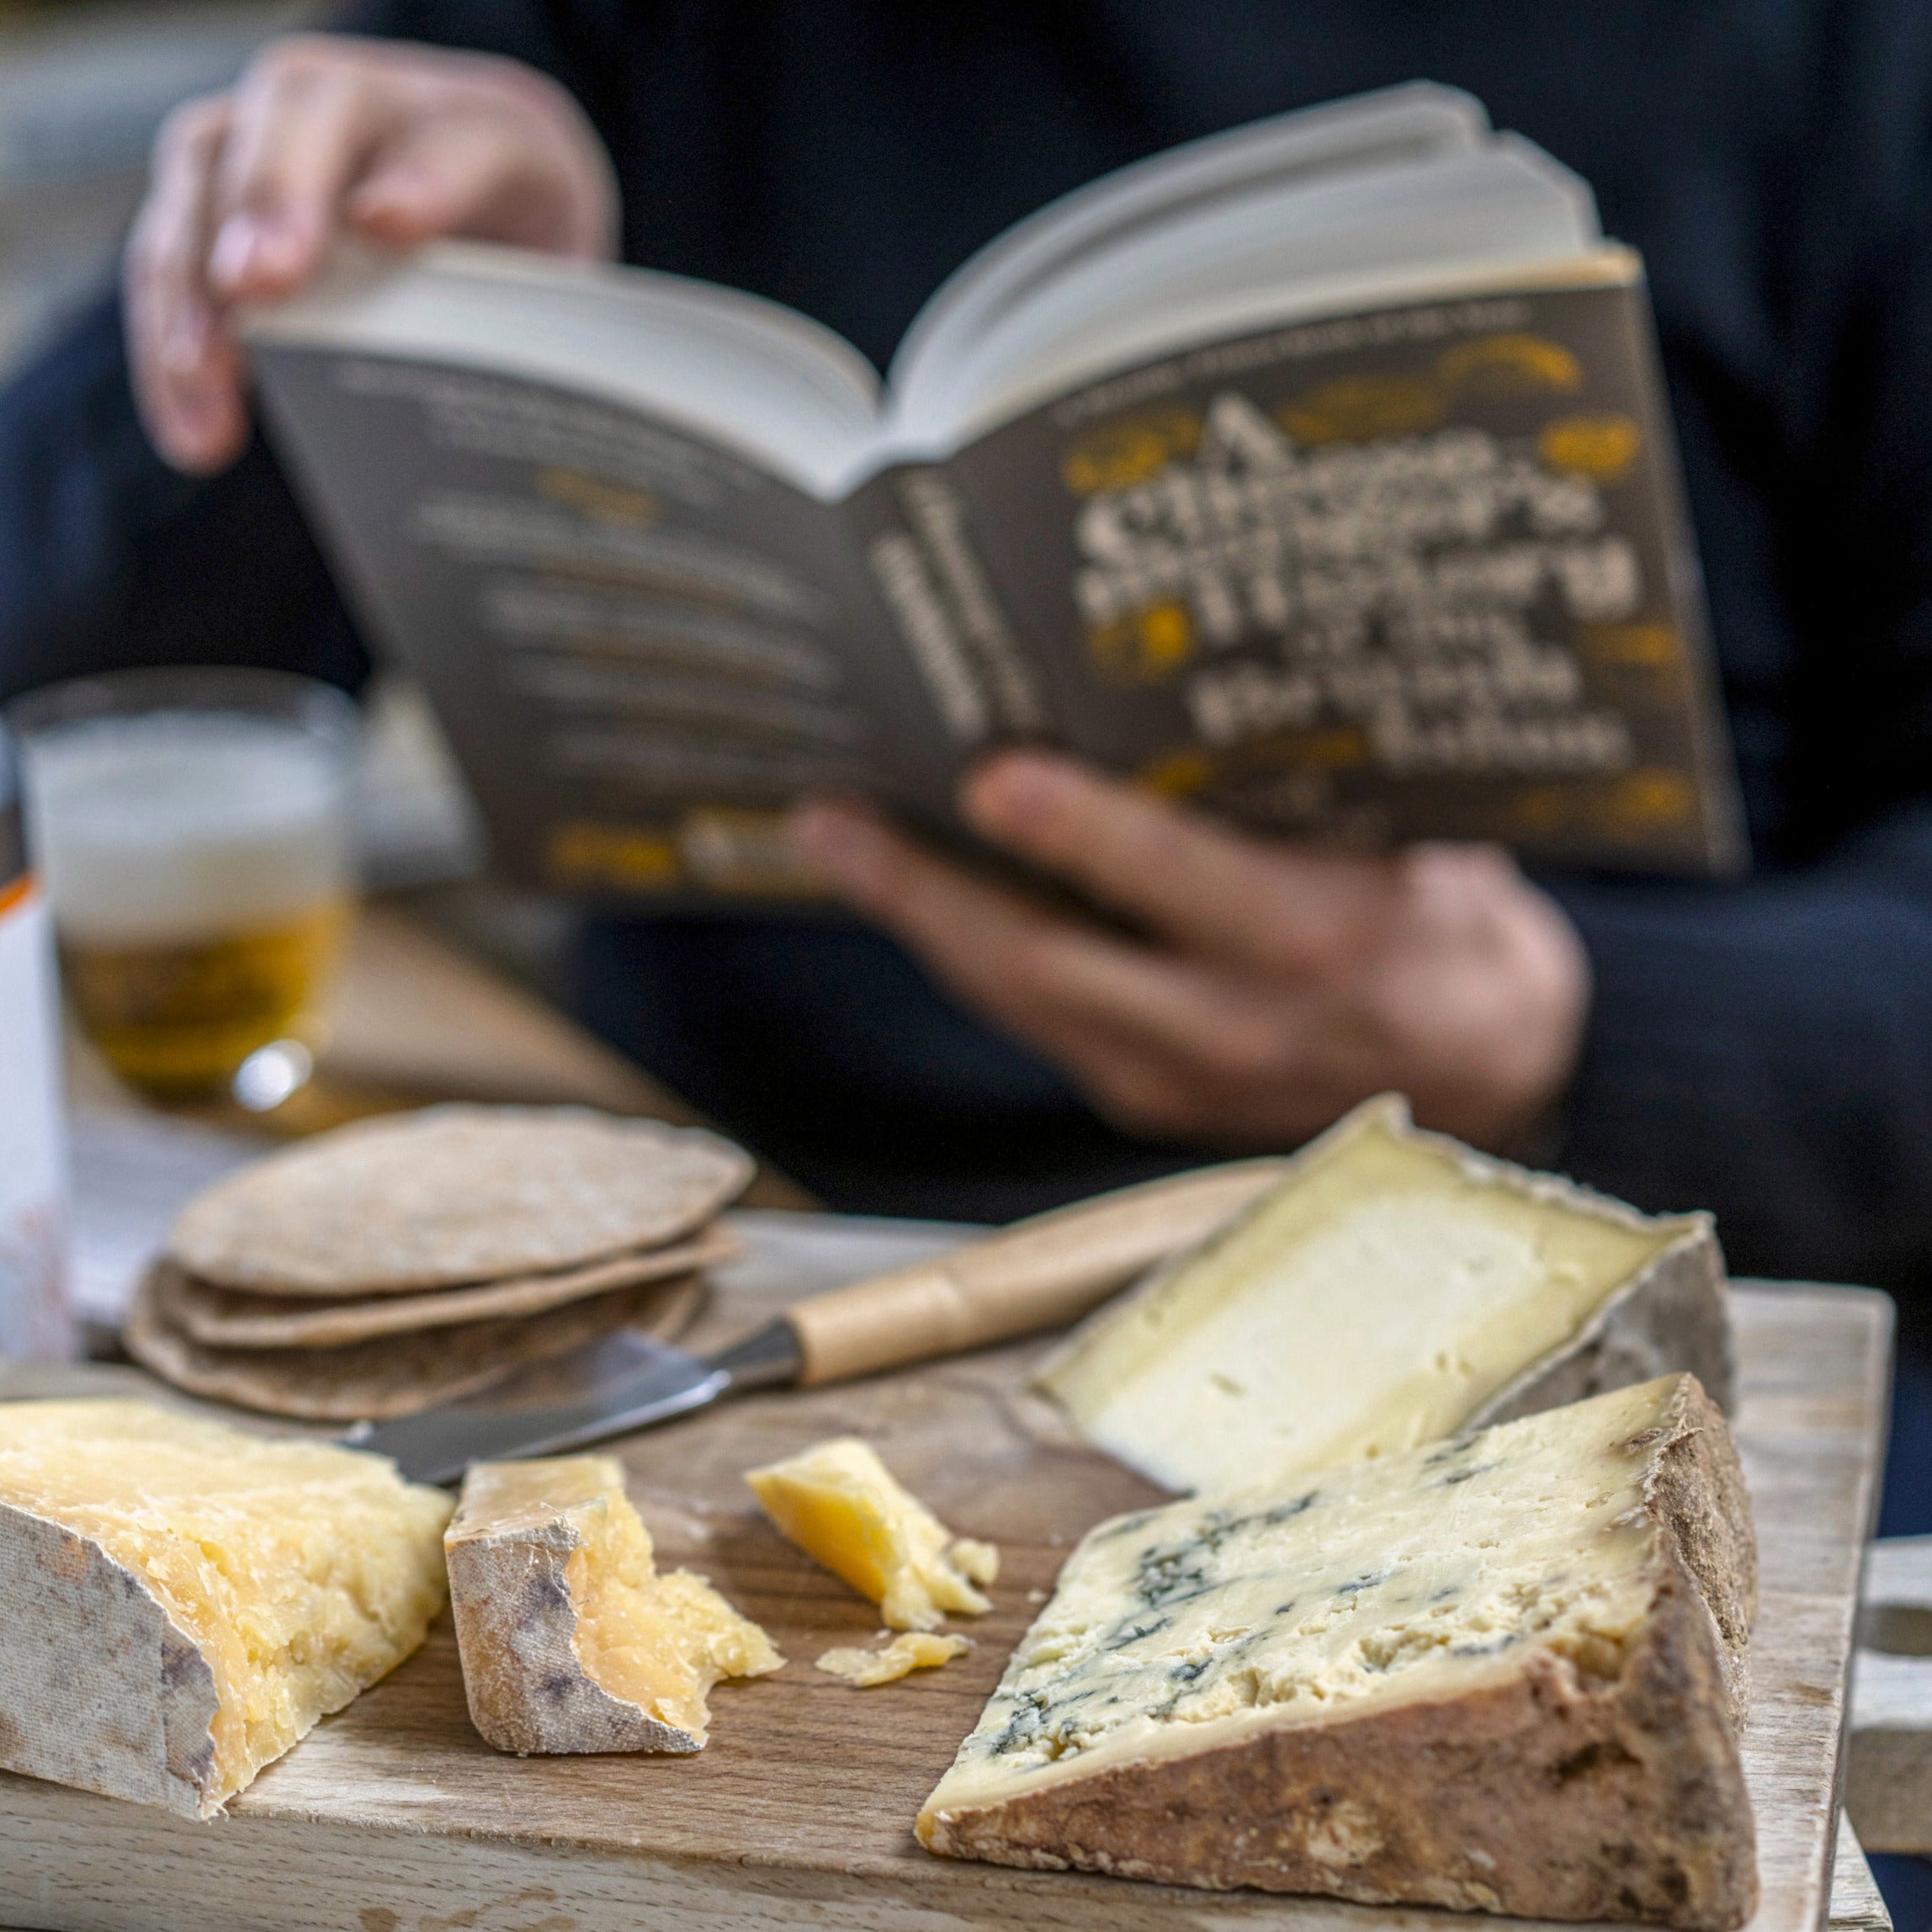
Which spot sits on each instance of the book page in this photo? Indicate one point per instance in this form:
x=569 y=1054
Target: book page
x=1284 y=250
x=749 y=375
x=1392 y=126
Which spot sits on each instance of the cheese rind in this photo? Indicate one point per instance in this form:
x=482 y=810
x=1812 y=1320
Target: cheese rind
x=1394 y=1288
x=1503 y=1673
x=839 y=1503
x=180 y=1602
x=571 y=1639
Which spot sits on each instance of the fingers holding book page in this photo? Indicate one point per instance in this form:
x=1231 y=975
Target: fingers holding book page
x=1268 y=986
x=326 y=134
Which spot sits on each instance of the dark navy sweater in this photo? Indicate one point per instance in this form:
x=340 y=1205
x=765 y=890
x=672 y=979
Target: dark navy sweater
x=1764 y=1049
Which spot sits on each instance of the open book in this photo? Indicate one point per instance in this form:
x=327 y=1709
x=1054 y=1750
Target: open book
x=1318 y=471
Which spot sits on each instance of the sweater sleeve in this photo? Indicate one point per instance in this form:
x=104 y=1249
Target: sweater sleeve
x=1765 y=1051
x=109 y=559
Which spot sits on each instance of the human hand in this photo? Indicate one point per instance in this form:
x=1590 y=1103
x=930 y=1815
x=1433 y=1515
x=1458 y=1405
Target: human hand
x=1274 y=986
x=325 y=133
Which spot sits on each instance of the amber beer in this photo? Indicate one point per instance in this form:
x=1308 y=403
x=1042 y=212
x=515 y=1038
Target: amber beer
x=180 y=1019
x=198 y=866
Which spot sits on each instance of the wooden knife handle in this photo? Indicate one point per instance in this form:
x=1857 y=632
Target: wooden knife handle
x=1037 y=1274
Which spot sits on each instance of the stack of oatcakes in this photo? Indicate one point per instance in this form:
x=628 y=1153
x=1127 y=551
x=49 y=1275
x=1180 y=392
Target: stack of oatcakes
x=407 y=1260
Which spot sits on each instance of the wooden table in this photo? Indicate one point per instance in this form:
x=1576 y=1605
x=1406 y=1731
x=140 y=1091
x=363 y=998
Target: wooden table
x=394 y=1817
x=418 y=1019
x=1857 y=1905
x=1888 y=1789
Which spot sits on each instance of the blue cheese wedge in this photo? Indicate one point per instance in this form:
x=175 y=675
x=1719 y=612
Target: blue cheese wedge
x=1395 y=1286
x=1505 y=1672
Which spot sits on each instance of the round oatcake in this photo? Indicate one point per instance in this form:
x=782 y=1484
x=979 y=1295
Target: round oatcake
x=232 y=1318
x=397 y=1374
x=453 y=1195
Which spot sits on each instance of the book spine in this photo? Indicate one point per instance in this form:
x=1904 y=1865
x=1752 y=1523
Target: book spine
x=950 y=617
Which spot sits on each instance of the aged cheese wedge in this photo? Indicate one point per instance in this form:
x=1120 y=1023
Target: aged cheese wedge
x=1503 y=1672
x=912 y=1650
x=1395 y=1287
x=571 y=1639
x=839 y=1503
x=179 y=1602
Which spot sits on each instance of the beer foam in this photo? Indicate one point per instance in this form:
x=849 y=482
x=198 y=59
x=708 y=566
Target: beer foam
x=183 y=826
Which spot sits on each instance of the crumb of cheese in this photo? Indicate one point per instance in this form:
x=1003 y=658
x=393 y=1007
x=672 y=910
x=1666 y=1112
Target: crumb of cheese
x=916 y=1650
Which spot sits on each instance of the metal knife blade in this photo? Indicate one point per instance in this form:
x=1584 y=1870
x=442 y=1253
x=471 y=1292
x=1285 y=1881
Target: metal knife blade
x=1037 y=1274
x=619 y=1383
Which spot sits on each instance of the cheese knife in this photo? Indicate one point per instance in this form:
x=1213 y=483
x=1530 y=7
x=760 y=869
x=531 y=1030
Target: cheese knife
x=1037 y=1274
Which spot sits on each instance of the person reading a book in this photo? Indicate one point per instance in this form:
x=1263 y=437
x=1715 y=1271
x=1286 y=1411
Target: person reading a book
x=1267 y=988
x=1762 y=1048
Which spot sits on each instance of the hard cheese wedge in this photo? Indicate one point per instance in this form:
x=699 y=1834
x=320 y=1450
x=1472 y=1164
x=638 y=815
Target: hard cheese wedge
x=1501 y=1672
x=839 y=1503
x=1395 y=1287
x=179 y=1602
x=570 y=1640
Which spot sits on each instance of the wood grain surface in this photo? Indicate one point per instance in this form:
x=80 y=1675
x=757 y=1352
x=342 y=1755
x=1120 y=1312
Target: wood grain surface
x=1888 y=1788
x=395 y=1817
x=1857 y=1905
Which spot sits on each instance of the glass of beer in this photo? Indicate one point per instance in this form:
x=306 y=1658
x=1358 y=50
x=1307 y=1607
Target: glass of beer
x=192 y=830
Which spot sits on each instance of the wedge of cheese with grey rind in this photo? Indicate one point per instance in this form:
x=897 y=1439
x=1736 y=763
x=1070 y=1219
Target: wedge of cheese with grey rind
x=1394 y=1288
x=571 y=1640
x=180 y=1602
x=1502 y=1673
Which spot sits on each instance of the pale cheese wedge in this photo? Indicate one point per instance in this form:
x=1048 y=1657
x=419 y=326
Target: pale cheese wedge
x=1503 y=1673
x=571 y=1639
x=839 y=1503
x=1393 y=1287
x=180 y=1602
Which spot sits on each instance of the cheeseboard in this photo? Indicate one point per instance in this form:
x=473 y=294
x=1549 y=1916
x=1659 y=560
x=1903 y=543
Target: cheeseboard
x=395 y=1816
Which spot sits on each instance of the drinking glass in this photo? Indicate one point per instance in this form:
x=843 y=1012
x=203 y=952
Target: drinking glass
x=192 y=828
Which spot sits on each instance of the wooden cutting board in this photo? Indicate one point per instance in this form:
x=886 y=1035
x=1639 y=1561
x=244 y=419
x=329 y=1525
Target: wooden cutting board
x=395 y=1817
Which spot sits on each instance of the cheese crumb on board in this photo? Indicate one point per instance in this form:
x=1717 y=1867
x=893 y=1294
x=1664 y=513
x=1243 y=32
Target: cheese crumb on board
x=1504 y=1673
x=914 y=1650
x=1395 y=1287
x=180 y=1601
x=839 y=1503
x=571 y=1639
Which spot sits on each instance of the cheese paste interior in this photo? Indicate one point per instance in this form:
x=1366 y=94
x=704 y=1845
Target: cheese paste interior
x=302 y=1572
x=1180 y=1630
x=1375 y=1300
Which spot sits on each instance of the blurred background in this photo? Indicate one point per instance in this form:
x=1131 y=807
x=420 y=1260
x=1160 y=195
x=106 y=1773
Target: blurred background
x=438 y=1003
x=83 y=86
